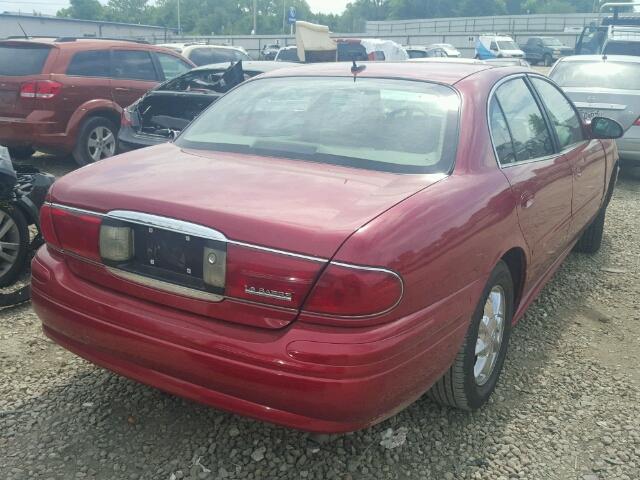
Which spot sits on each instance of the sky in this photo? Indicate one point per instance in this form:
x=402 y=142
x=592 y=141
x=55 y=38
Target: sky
x=52 y=6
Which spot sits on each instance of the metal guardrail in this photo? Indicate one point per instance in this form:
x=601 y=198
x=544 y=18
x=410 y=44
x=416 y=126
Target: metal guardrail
x=508 y=24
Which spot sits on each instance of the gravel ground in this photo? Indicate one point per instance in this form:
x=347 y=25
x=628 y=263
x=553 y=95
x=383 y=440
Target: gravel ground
x=566 y=407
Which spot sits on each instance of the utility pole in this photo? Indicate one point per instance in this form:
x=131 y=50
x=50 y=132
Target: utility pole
x=179 y=26
x=284 y=16
x=255 y=17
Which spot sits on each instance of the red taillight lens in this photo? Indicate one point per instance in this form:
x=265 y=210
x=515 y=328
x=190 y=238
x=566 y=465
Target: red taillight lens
x=637 y=122
x=352 y=291
x=269 y=277
x=46 y=226
x=72 y=231
x=40 y=89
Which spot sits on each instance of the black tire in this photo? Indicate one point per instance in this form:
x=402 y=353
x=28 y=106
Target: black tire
x=591 y=239
x=21 y=153
x=548 y=61
x=16 y=266
x=458 y=387
x=82 y=153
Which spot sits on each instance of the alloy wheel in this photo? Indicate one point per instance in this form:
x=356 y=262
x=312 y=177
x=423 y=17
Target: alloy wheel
x=101 y=143
x=490 y=335
x=9 y=242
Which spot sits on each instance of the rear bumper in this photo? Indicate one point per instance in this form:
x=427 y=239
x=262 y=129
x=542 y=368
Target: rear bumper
x=34 y=132
x=629 y=147
x=129 y=140
x=322 y=379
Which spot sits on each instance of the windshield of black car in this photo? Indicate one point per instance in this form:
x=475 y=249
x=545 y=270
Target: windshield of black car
x=507 y=45
x=598 y=74
x=379 y=124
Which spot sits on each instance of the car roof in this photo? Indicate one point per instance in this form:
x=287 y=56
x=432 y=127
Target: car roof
x=439 y=72
x=252 y=65
x=72 y=43
x=601 y=58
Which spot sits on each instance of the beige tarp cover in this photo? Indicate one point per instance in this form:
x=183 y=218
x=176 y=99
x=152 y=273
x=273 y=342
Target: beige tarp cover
x=313 y=38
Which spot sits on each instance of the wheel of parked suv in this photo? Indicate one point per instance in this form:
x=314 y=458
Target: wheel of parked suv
x=97 y=140
x=14 y=243
x=471 y=379
x=21 y=153
x=547 y=60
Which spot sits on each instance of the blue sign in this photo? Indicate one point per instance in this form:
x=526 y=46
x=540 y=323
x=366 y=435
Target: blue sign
x=292 y=15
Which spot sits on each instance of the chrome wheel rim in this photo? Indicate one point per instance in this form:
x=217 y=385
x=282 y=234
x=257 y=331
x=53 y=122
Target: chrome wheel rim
x=101 y=143
x=490 y=335
x=9 y=242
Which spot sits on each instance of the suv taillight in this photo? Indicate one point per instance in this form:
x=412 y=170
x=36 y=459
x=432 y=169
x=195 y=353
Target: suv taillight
x=44 y=89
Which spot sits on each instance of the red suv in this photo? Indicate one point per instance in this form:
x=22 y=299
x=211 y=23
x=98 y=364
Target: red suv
x=66 y=95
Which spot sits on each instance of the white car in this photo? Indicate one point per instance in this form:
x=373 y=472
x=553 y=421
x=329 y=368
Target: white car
x=497 y=46
x=202 y=54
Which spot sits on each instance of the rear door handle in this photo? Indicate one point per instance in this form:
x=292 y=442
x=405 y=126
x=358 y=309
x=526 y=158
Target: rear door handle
x=122 y=89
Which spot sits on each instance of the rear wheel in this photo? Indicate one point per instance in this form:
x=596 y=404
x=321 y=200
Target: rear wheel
x=471 y=379
x=14 y=244
x=21 y=153
x=97 y=141
x=591 y=239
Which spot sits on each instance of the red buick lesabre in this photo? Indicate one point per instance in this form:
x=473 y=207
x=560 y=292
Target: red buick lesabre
x=318 y=248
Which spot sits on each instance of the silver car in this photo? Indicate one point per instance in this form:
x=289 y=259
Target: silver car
x=605 y=86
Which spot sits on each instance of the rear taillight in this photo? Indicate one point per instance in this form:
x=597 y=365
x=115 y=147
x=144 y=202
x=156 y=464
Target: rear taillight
x=44 y=89
x=269 y=277
x=125 y=119
x=70 y=230
x=637 y=122
x=353 y=291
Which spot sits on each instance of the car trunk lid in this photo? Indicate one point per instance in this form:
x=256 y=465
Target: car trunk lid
x=622 y=106
x=281 y=220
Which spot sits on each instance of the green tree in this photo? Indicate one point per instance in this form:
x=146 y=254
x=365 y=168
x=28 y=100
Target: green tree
x=127 y=11
x=83 y=9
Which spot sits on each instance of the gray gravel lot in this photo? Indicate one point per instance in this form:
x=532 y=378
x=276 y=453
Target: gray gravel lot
x=566 y=407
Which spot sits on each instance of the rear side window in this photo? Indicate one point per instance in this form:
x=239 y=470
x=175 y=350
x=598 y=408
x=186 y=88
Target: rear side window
x=531 y=137
x=92 y=63
x=563 y=117
x=133 y=65
x=288 y=55
x=22 y=60
x=500 y=134
x=172 y=66
x=417 y=53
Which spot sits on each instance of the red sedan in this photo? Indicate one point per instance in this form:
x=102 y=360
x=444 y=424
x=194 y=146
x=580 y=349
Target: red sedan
x=319 y=249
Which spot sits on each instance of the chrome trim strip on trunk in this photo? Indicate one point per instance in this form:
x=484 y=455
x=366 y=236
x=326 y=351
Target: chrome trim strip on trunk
x=180 y=226
x=164 y=286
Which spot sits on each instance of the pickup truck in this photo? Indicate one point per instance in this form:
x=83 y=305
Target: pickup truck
x=545 y=49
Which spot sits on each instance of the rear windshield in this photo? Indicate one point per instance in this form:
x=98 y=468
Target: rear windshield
x=622 y=48
x=378 y=124
x=609 y=74
x=288 y=55
x=22 y=60
x=206 y=56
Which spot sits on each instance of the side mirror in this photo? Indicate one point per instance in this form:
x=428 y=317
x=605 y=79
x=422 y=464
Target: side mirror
x=605 y=128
